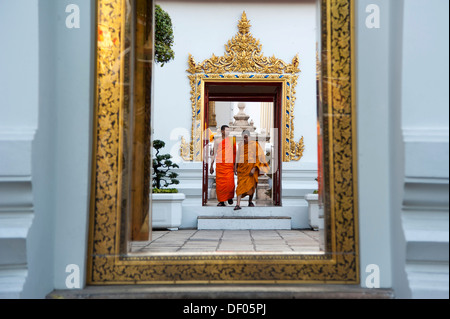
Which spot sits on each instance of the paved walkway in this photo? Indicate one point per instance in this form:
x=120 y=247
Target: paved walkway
x=224 y=241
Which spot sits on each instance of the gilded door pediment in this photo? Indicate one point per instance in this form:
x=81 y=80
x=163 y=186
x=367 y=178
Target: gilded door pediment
x=243 y=61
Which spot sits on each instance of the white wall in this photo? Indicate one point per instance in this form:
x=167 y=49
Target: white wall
x=45 y=135
x=73 y=113
x=425 y=64
x=403 y=145
x=396 y=150
x=46 y=83
x=41 y=236
x=425 y=122
x=373 y=113
x=224 y=111
x=19 y=91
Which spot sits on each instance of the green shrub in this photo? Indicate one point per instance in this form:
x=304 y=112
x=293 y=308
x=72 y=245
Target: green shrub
x=162 y=166
x=163 y=36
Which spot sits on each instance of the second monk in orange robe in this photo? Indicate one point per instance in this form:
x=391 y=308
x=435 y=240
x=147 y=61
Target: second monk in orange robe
x=250 y=163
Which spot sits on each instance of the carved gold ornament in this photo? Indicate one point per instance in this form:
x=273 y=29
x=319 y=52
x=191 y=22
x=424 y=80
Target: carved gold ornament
x=243 y=55
x=243 y=62
x=108 y=265
x=297 y=150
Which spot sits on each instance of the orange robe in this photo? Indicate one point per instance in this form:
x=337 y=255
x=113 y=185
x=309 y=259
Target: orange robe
x=250 y=155
x=225 y=159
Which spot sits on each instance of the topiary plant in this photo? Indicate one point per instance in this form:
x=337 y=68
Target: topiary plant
x=162 y=166
x=163 y=36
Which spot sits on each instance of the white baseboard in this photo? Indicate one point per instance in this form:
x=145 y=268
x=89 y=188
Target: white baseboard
x=16 y=208
x=425 y=210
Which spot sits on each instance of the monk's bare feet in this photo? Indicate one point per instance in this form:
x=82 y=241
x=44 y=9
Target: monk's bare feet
x=237 y=207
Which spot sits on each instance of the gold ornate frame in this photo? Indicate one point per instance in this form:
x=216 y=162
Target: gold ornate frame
x=242 y=62
x=340 y=264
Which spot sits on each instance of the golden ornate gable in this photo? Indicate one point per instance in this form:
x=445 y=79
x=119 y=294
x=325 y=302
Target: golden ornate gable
x=243 y=61
x=244 y=55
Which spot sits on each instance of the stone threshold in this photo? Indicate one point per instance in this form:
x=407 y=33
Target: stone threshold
x=244 y=222
x=224 y=291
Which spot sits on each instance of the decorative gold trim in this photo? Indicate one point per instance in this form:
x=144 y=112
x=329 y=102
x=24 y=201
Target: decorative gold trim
x=291 y=150
x=297 y=150
x=243 y=60
x=186 y=150
x=340 y=264
x=243 y=55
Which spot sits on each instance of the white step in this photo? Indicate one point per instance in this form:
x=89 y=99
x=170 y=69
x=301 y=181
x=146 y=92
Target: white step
x=243 y=222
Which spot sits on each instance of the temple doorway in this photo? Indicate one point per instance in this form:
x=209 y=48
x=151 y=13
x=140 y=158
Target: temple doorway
x=244 y=107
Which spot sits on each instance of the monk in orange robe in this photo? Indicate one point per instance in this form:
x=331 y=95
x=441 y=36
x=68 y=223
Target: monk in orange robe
x=224 y=155
x=250 y=163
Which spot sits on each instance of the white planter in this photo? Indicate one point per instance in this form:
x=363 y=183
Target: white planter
x=167 y=210
x=315 y=220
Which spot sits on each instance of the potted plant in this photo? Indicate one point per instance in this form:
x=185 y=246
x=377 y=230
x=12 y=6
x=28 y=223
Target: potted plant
x=166 y=201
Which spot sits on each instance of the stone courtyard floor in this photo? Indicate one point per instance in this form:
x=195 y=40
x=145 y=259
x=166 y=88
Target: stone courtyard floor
x=229 y=241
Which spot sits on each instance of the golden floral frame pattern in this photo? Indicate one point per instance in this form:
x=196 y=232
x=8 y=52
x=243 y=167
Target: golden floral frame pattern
x=292 y=151
x=243 y=62
x=340 y=264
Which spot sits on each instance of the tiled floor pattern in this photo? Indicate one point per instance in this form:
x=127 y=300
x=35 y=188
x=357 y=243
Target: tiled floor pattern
x=226 y=241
